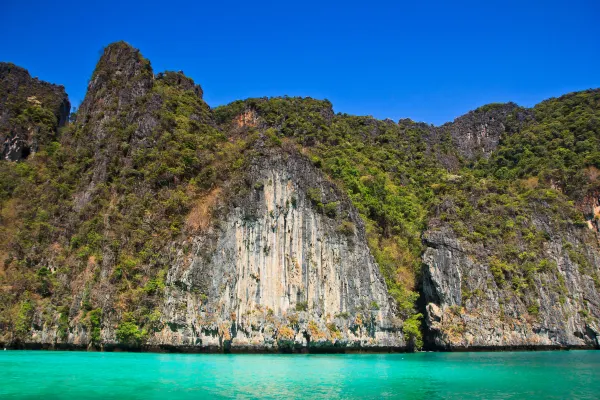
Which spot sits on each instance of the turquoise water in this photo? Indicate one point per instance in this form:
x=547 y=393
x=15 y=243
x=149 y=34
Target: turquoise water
x=510 y=375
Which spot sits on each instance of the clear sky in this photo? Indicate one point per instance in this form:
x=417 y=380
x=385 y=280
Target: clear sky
x=430 y=61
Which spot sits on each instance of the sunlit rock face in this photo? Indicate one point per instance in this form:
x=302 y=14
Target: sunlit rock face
x=289 y=265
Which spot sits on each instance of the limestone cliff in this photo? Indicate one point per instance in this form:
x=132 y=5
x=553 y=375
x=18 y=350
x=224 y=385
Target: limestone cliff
x=151 y=221
x=276 y=271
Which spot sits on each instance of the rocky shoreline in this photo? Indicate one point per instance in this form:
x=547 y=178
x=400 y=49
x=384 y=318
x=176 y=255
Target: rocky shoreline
x=294 y=350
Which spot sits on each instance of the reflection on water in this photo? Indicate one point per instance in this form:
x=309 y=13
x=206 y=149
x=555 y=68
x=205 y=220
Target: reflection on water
x=572 y=374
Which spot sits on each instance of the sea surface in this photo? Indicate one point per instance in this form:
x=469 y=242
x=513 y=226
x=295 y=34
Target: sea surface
x=508 y=375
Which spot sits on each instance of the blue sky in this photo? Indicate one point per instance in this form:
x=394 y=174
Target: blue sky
x=430 y=61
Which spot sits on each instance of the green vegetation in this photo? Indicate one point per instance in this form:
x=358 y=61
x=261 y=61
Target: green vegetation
x=381 y=165
x=63 y=323
x=412 y=331
x=24 y=319
x=94 y=318
x=562 y=148
x=347 y=228
x=140 y=199
x=128 y=333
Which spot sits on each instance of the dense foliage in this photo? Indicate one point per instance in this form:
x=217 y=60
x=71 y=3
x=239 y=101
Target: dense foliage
x=562 y=147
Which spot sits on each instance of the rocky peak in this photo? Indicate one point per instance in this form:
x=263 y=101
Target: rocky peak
x=122 y=75
x=178 y=79
x=478 y=132
x=31 y=111
x=119 y=108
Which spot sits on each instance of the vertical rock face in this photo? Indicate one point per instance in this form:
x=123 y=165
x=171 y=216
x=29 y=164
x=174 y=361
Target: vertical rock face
x=279 y=271
x=466 y=308
x=30 y=112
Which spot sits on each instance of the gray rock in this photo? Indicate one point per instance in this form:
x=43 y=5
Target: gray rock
x=465 y=308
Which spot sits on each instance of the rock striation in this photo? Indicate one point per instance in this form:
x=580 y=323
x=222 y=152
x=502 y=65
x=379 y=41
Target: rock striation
x=279 y=273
